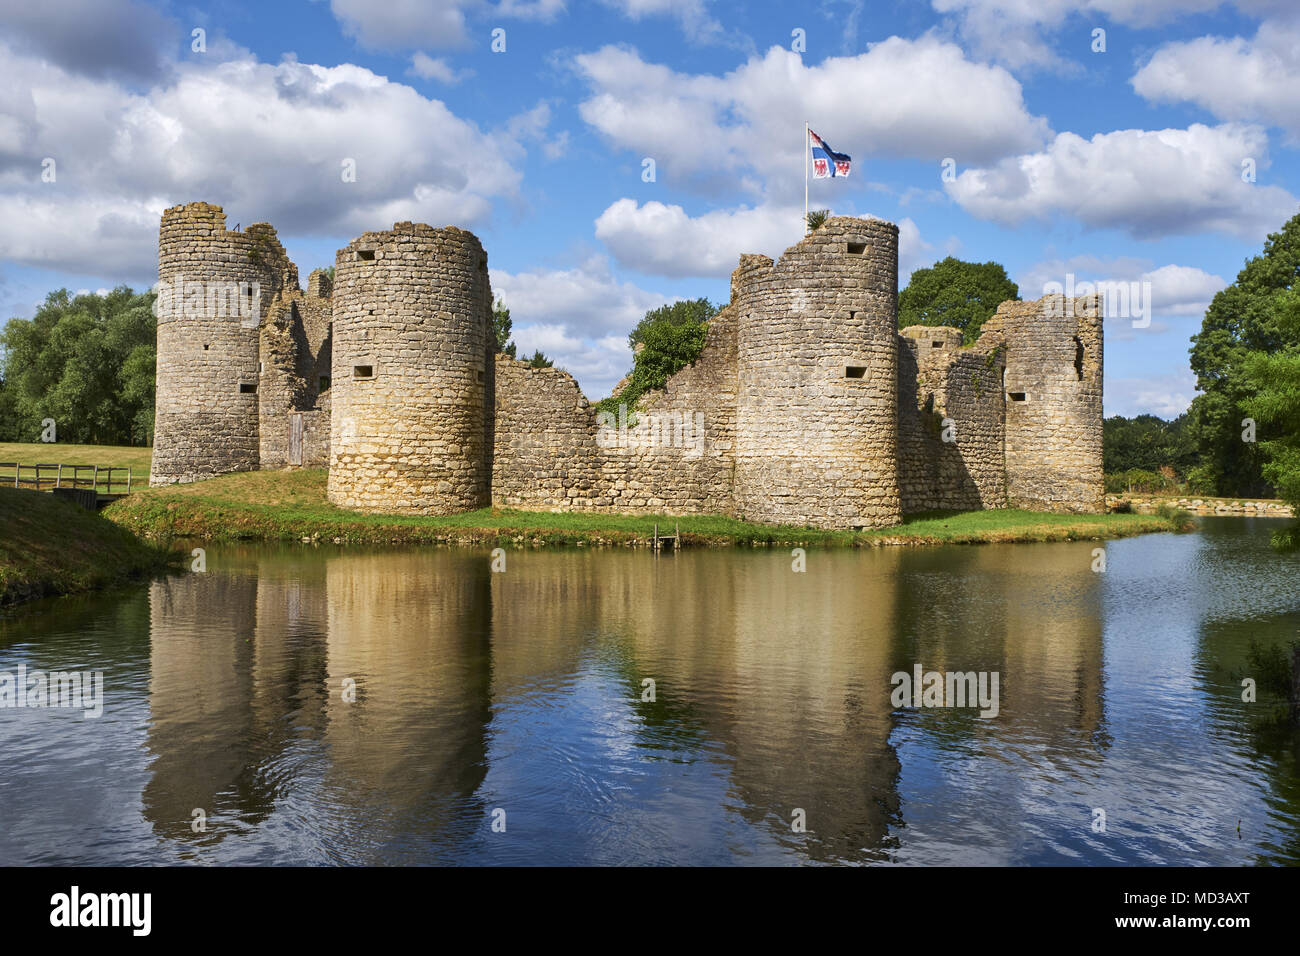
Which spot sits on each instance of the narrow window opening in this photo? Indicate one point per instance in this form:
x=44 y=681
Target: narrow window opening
x=937 y=345
x=1078 y=358
x=247 y=388
x=1016 y=396
x=205 y=347
x=324 y=384
x=479 y=374
x=855 y=371
x=857 y=248
x=852 y=316
x=363 y=371
x=365 y=255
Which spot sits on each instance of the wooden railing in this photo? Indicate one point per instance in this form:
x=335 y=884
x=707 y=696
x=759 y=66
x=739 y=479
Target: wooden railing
x=105 y=480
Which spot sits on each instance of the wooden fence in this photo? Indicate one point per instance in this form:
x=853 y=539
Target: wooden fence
x=104 y=480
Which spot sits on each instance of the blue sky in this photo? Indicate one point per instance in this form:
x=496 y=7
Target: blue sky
x=1128 y=164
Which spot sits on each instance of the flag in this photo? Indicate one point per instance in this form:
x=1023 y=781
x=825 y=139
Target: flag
x=826 y=162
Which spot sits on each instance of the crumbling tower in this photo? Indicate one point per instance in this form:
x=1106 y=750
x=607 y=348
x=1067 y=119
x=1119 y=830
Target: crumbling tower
x=817 y=403
x=215 y=286
x=1053 y=386
x=412 y=372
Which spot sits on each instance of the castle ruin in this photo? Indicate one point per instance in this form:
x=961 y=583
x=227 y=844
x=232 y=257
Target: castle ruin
x=806 y=406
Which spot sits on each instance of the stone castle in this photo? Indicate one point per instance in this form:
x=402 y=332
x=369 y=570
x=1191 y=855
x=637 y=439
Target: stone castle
x=806 y=406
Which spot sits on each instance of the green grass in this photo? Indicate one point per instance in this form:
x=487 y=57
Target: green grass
x=291 y=505
x=49 y=546
x=58 y=453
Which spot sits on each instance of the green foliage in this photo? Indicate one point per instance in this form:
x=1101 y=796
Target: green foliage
x=1273 y=383
x=667 y=340
x=501 y=326
x=88 y=363
x=958 y=294
x=1147 y=443
x=539 y=360
x=1253 y=317
x=817 y=218
x=1270 y=665
x=1138 y=480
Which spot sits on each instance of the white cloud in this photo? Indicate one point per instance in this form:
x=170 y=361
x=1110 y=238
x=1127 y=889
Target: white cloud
x=1234 y=78
x=902 y=98
x=1023 y=33
x=587 y=300
x=403 y=24
x=1167 y=396
x=1146 y=183
x=578 y=317
x=436 y=68
x=692 y=15
x=1176 y=291
x=659 y=239
x=265 y=141
x=121 y=38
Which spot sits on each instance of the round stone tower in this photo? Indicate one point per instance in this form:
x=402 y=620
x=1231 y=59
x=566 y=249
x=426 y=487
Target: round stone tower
x=817 y=404
x=214 y=287
x=412 y=372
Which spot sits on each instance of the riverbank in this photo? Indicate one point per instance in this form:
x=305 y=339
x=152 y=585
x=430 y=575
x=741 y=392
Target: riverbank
x=1206 y=506
x=292 y=506
x=49 y=547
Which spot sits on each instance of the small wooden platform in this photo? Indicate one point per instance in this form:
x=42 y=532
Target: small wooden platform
x=675 y=538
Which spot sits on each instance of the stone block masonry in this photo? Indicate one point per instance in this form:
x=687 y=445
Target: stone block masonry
x=806 y=405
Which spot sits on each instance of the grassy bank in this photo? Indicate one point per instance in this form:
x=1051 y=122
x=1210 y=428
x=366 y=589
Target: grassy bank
x=49 y=546
x=59 y=453
x=291 y=506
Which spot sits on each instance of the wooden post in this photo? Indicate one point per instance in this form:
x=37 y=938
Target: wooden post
x=128 y=479
x=94 y=480
x=58 y=479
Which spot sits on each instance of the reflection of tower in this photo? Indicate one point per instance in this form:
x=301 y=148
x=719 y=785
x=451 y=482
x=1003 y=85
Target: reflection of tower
x=817 y=403
x=411 y=633
x=230 y=689
x=1030 y=612
x=215 y=286
x=786 y=673
x=413 y=372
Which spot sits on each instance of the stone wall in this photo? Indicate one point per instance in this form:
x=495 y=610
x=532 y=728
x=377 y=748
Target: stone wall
x=215 y=286
x=817 y=372
x=805 y=406
x=1053 y=386
x=413 y=365
x=673 y=454
x=958 y=465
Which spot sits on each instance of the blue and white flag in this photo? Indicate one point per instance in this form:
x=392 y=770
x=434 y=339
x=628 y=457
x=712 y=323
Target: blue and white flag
x=826 y=162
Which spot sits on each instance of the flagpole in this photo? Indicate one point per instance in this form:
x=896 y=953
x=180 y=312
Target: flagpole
x=805 y=178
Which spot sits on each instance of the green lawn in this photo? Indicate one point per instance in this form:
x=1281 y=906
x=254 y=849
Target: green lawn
x=291 y=505
x=59 y=453
x=49 y=546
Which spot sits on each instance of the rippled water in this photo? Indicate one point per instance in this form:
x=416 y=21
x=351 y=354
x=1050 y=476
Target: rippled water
x=522 y=692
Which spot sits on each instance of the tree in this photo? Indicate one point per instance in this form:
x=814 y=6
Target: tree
x=817 y=218
x=958 y=294
x=665 y=341
x=1246 y=319
x=501 y=325
x=1147 y=443
x=539 y=360
x=86 y=362
x=1273 y=382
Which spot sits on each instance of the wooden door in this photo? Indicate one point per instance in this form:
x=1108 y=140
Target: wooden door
x=295 y=438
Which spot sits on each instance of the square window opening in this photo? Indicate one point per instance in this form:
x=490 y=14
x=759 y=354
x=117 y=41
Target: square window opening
x=855 y=371
x=937 y=345
x=857 y=248
x=324 y=384
x=363 y=371
x=247 y=388
x=365 y=255
x=1017 y=396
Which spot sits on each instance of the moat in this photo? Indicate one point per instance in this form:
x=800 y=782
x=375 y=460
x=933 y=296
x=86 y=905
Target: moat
x=525 y=692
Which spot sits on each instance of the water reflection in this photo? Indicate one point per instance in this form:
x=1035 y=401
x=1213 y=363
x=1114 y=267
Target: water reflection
x=365 y=706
